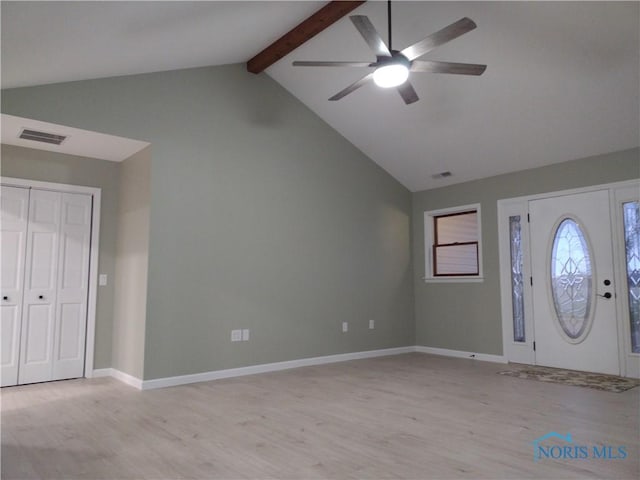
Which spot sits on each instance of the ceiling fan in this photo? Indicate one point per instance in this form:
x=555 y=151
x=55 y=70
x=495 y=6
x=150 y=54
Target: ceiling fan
x=392 y=67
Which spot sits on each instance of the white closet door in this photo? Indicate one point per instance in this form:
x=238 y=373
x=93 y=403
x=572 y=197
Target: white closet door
x=14 y=205
x=73 y=278
x=38 y=317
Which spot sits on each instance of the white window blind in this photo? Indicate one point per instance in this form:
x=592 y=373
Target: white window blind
x=453 y=244
x=457 y=228
x=455 y=251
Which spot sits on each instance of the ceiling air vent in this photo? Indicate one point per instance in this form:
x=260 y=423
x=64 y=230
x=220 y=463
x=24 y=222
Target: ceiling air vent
x=45 y=137
x=442 y=175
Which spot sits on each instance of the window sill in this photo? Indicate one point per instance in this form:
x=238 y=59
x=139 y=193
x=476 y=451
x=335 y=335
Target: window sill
x=453 y=279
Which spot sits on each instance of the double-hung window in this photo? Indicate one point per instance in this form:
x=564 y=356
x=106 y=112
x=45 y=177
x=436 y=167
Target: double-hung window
x=453 y=244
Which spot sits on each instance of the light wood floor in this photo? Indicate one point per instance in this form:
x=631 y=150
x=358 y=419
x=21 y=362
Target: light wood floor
x=407 y=416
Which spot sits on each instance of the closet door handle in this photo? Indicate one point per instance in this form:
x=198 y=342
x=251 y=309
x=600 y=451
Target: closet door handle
x=5 y=298
x=41 y=297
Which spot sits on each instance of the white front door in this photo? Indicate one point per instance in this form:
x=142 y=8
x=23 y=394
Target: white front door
x=573 y=289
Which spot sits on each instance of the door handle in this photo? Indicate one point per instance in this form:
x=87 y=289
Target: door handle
x=41 y=297
x=5 y=297
x=606 y=295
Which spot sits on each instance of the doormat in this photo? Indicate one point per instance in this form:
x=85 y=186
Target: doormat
x=598 y=381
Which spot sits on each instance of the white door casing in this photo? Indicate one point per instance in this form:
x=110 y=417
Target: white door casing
x=14 y=204
x=595 y=349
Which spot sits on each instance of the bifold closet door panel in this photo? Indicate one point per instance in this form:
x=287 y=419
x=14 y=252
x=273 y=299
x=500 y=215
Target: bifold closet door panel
x=73 y=282
x=46 y=239
x=41 y=275
x=14 y=207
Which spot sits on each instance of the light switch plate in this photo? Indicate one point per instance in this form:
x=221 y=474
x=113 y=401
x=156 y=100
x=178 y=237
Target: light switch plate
x=245 y=335
x=345 y=326
x=236 y=335
x=102 y=279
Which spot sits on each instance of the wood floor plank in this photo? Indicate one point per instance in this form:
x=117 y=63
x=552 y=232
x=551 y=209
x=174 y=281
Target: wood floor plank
x=407 y=416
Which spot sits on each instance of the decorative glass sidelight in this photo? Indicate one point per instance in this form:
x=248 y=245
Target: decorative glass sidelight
x=517 y=286
x=571 y=278
x=631 y=214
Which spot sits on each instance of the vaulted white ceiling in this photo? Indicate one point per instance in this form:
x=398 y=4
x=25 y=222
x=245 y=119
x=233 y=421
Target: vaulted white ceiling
x=562 y=82
x=49 y=42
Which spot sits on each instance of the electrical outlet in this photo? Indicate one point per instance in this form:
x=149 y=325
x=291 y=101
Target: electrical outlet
x=245 y=335
x=345 y=326
x=236 y=335
x=372 y=324
x=102 y=279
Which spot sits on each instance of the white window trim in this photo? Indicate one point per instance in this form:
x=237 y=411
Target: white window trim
x=428 y=244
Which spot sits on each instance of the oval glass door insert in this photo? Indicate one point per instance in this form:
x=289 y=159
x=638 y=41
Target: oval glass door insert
x=571 y=278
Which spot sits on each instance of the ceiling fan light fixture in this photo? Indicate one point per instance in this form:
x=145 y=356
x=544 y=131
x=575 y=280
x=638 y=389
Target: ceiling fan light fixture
x=392 y=67
x=391 y=75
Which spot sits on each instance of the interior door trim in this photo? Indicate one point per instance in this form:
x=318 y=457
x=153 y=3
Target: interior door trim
x=96 y=194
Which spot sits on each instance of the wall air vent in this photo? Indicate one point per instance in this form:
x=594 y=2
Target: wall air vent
x=45 y=137
x=442 y=175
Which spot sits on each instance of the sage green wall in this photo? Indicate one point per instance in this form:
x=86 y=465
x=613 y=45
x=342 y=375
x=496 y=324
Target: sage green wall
x=58 y=168
x=466 y=316
x=132 y=262
x=262 y=217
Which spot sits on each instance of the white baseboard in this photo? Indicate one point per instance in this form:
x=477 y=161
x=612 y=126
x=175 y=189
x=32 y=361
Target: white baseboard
x=269 y=367
x=101 y=372
x=118 y=375
x=485 y=357
x=126 y=378
x=274 y=367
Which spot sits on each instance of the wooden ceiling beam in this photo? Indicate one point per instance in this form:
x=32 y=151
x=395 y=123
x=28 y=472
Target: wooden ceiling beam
x=309 y=28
